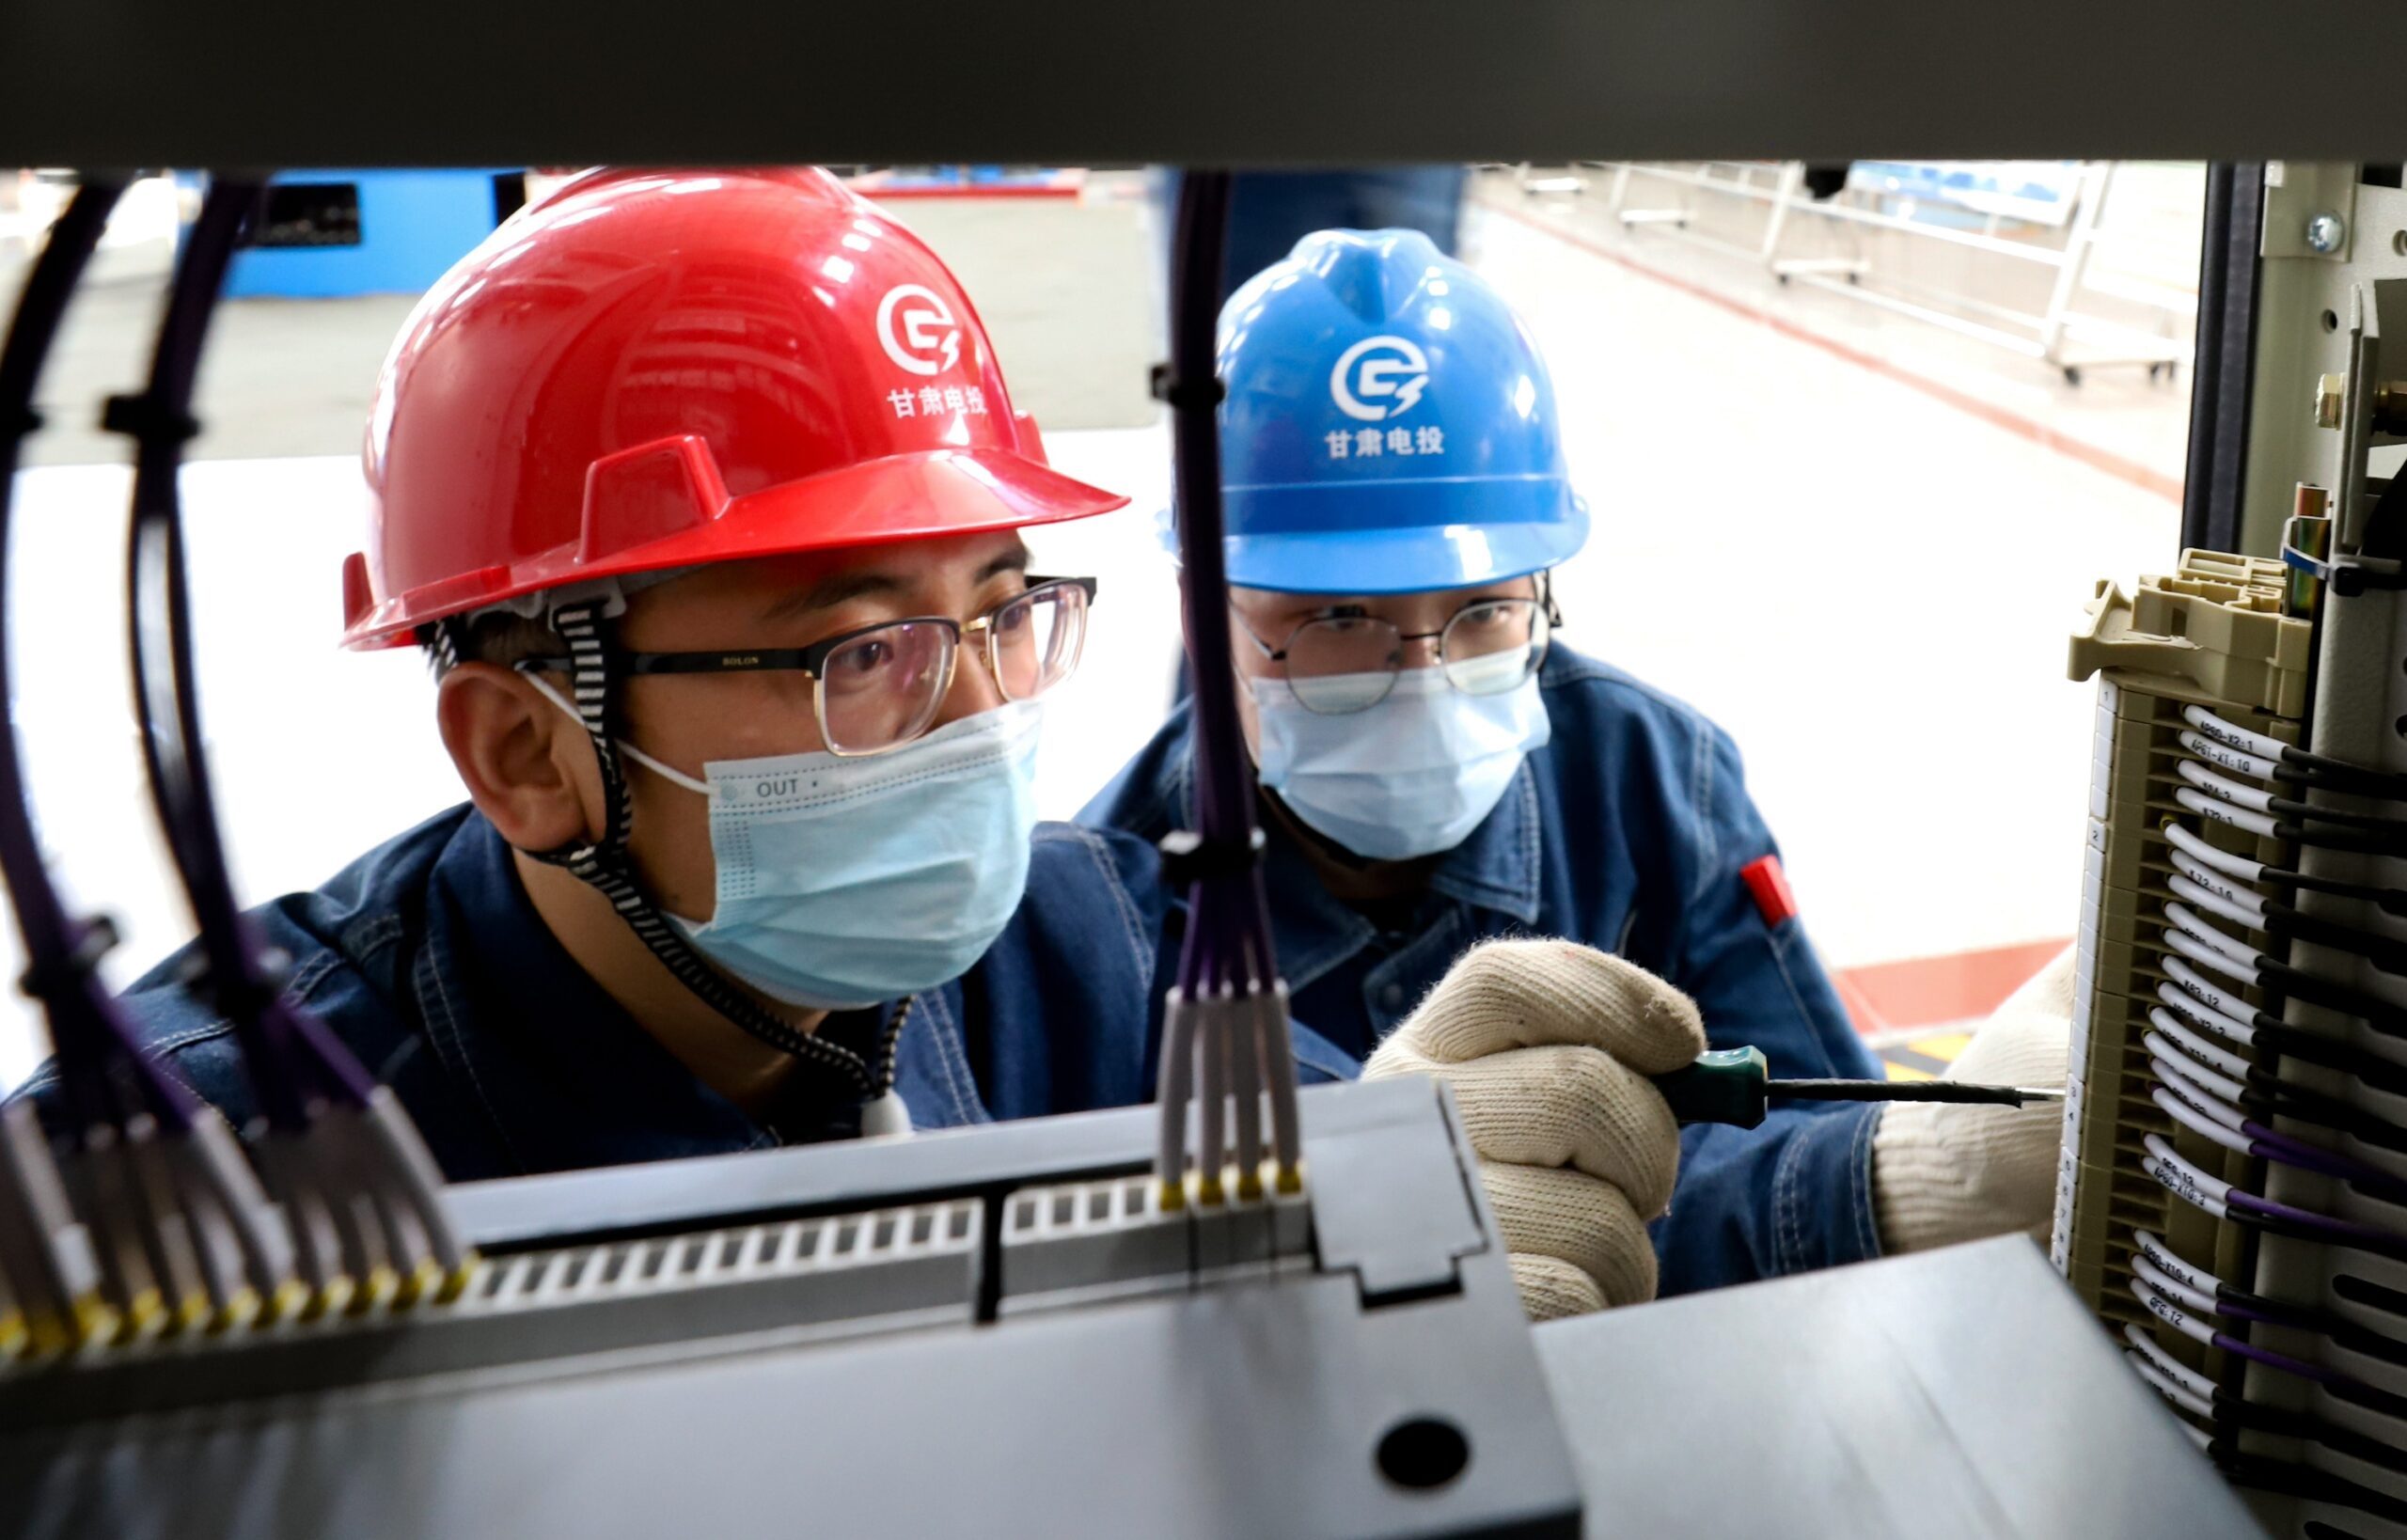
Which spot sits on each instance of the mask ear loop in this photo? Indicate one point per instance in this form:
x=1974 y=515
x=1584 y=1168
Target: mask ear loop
x=669 y=773
x=603 y=865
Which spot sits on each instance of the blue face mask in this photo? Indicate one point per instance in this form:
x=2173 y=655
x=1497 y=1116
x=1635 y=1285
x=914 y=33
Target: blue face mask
x=1410 y=777
x=844 y=882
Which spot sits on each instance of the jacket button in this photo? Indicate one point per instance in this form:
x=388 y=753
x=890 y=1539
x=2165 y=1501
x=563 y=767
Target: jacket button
x=1392 y=995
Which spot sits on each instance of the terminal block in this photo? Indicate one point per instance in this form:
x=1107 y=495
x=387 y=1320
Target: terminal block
x=2212 y=634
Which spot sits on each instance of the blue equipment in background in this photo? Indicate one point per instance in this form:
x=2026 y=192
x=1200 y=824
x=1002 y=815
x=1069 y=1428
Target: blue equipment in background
x=331 y=233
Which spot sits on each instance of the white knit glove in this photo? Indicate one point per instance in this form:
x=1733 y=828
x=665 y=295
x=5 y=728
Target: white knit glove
x=1548 y=1045
x=1942 y=1174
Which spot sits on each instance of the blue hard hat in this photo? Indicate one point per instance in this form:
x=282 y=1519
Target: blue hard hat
x=1389 y=425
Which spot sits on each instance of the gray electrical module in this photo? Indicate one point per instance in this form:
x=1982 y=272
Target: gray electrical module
x=995 y=1331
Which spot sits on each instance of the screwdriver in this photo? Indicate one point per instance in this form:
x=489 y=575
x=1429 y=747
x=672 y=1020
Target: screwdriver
x=1731 y=1085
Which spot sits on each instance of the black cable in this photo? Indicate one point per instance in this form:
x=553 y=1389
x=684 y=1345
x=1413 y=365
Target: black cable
x=1226 y=1015
x=2333 y=1054
x=2377 y=823
x=2390 y=900
x=88 y=1030
x=2277 y=1097
x=362 y=1196
x=2384 y=952
x=2256 y=1417
x=234 y=974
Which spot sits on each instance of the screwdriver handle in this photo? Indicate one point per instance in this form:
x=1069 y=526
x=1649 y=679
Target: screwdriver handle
x=1725 y=1085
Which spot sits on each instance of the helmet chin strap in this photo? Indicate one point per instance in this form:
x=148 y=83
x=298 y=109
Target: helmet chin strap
x=606 y=865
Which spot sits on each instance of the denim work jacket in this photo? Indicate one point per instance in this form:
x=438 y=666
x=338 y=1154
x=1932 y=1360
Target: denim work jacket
x=1632 y=831
x=426 y=958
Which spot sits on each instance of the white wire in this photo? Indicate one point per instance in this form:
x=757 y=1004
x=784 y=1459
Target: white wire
x=2223 y=812
x=2189 y=890
x=2239 y=737
x=2198 y=951
x=2218 y=1086
x=2165 y=1177
x=2172 y=1393
x=2222 y=860
x=2160 y=1252
x=2239 y=951
x=1176 y=1086
x=2241 y=955
x=2225 y=787
x=2205 y=1117
x=2188 y=1114
x=2172 y=1368
x=2174 y=1289
x=2202 y=999
x=1278 y=1058
x=1245 y=1065
x=2168 y=1310
x=1212 y=1086
x=2229 y=758
x=2213 y=1186
x=2237 y=904
x=2193 y=1013
x=2195 y=1046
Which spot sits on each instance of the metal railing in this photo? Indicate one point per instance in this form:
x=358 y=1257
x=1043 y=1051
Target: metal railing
x=2059 y=336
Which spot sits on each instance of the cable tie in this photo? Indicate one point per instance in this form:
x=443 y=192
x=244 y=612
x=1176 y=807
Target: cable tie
x=2351 y=578
x=46 y=977
x=1190 y=856
x=143 y=417
x=237 y=997
x=1169 y=388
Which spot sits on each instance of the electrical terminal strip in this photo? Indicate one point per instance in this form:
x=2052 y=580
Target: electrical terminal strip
x=1078 y=1242
x=2233 y=1188
x=913 y=1265
x=2212 y=635
x=828 y=1275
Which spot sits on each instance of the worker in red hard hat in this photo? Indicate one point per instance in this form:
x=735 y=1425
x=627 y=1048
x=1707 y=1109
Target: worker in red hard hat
x=703 y=492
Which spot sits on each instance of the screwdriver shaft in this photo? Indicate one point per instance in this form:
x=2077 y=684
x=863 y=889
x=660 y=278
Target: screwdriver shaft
x=1910 y=1090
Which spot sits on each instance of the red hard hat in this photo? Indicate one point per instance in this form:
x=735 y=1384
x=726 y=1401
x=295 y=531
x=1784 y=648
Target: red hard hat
x=653 y=369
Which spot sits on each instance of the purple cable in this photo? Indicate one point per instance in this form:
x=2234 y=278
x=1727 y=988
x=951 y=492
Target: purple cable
x=2297 y=1152
x=2153 y=1295
x=2249 y=1313
x=2283 y=1362
x=2389 y=1241
x=1223 y=906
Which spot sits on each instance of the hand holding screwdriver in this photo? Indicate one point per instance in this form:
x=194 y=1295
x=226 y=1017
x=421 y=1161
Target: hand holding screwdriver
x=1548 y=1047
x=1733 y=1085
x=1941 y=1174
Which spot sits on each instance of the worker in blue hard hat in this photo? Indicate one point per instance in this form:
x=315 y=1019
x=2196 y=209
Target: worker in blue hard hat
x=1437 y=770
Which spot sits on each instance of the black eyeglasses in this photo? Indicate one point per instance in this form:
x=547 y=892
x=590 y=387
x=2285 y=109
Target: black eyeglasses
x=880 y=686
x=1349 y=659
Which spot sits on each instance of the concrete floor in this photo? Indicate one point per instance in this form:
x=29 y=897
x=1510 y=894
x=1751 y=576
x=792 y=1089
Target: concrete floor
x=1868 y=583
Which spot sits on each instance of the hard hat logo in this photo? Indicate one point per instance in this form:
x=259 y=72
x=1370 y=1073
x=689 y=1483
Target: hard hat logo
x=522 y=440
x=928 y=340
x=1378 y=378
x=1428 y=457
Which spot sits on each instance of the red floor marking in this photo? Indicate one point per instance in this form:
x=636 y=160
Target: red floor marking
x=1936 y=991
x=1990 y=412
